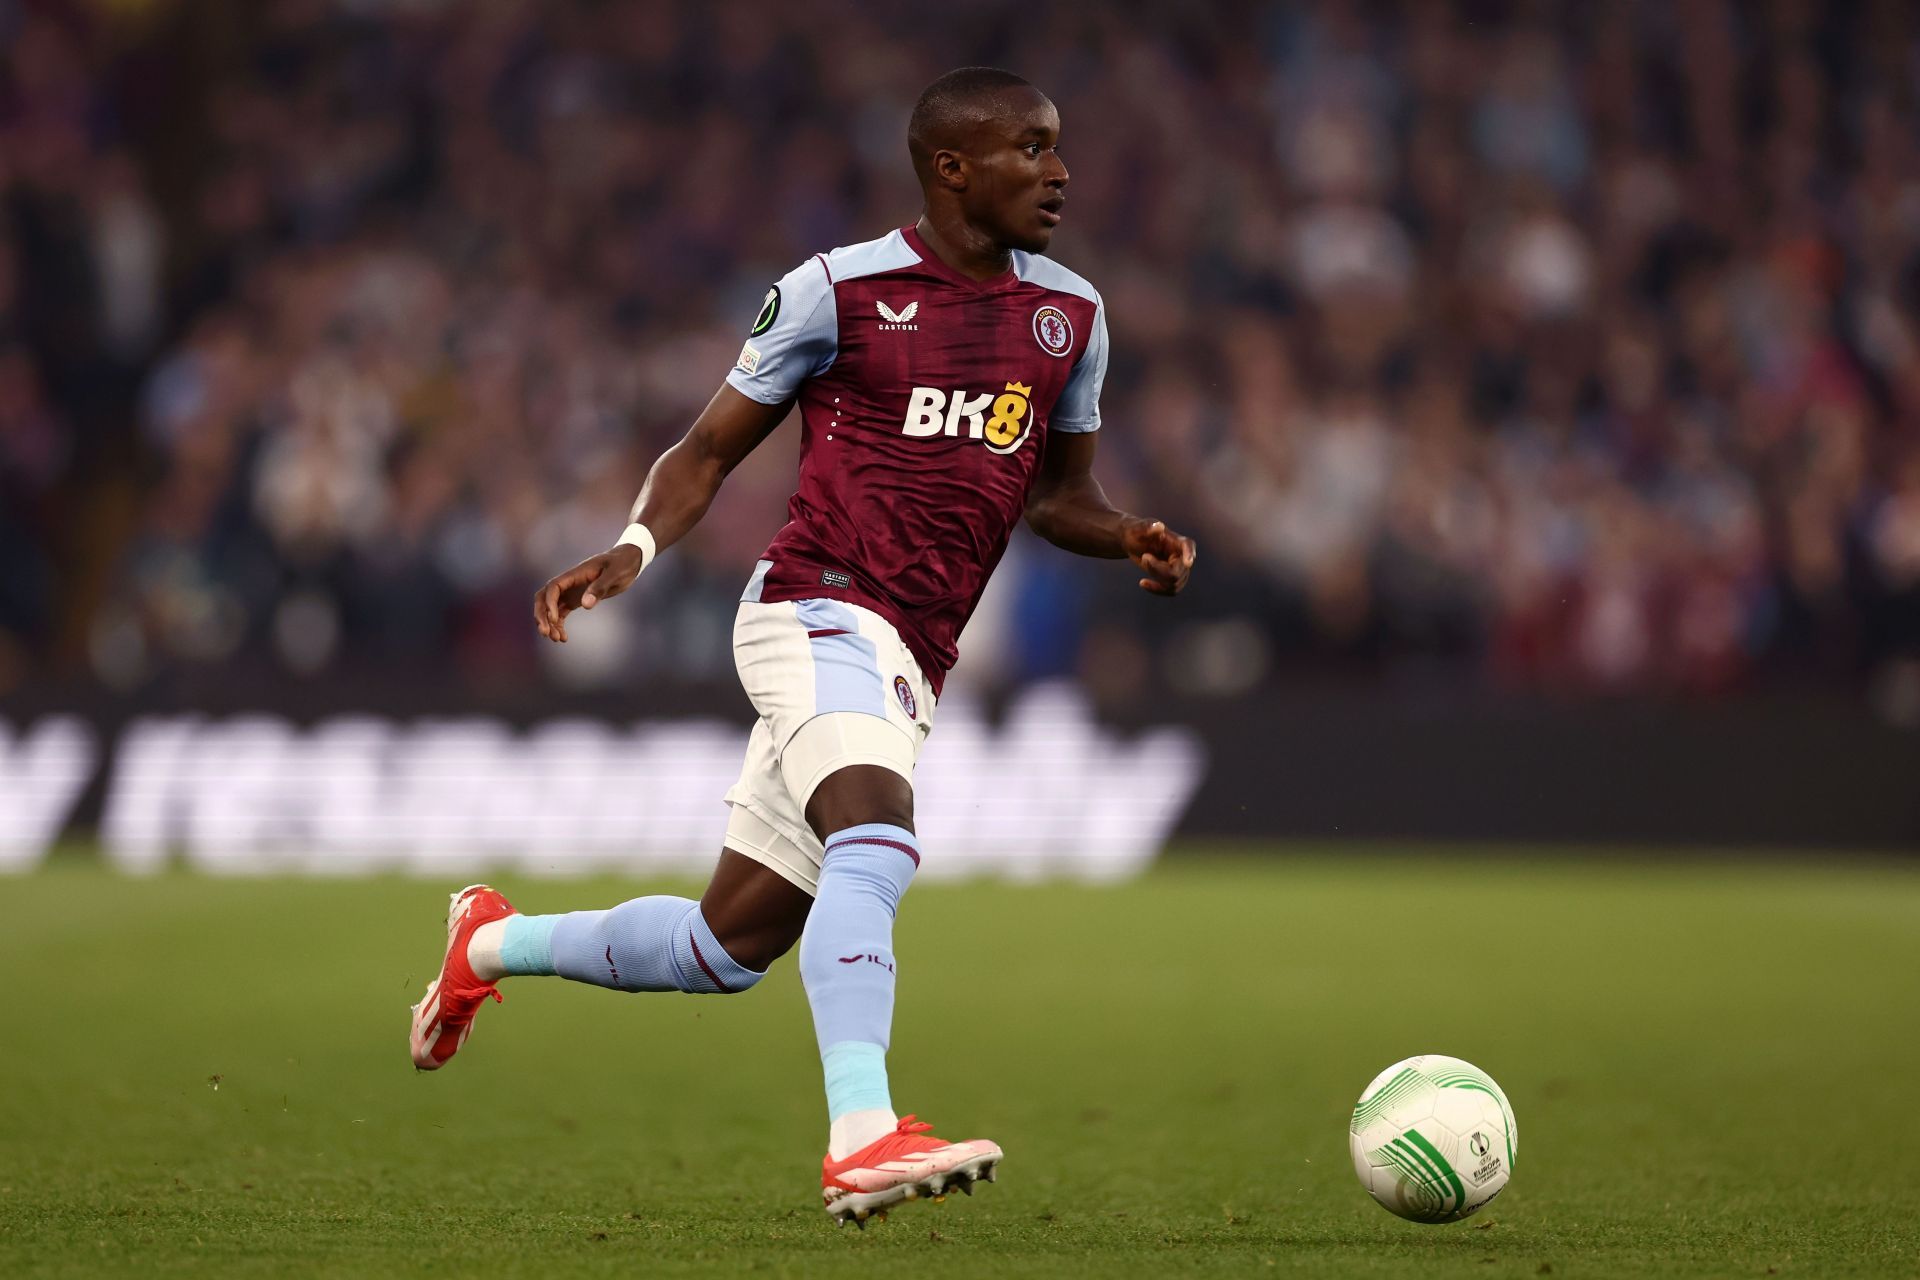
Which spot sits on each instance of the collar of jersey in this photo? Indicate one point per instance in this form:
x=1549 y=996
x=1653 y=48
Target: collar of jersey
x=931 y=261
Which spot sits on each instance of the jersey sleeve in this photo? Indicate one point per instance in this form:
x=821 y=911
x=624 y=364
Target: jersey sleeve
x=1078 y=408
x=795 y=337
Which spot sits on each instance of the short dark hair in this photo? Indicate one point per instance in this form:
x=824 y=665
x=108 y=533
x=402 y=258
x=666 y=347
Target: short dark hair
x=951 y=102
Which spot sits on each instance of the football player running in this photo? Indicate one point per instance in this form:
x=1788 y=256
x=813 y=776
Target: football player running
x=949 y=381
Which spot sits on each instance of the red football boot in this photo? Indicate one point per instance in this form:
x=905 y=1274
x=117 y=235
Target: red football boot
x=444 y=1016
x=904 y=1165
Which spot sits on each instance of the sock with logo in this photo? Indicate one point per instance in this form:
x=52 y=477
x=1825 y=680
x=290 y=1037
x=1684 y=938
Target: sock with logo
x=846 y=963
x=649 y=944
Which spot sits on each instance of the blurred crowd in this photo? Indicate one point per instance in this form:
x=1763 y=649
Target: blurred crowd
x=1543 y=345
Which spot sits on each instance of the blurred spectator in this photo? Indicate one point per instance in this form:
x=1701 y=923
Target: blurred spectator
x=1569 y=346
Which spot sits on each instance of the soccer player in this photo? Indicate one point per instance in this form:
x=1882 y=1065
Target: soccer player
x=949 y=384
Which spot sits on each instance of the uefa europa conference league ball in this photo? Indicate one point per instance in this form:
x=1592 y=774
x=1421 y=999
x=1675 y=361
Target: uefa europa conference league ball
x=1433 y=1139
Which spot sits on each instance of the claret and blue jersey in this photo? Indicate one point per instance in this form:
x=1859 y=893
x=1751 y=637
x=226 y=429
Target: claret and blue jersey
x=926 y=399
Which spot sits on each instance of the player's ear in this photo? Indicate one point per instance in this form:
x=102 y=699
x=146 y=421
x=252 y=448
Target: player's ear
x=950 y=170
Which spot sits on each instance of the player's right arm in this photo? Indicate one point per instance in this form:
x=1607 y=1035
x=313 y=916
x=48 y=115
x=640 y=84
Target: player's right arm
x=795 y=337
x=678 y=491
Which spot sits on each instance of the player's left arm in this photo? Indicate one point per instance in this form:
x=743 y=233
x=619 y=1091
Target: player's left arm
x=1068 y=508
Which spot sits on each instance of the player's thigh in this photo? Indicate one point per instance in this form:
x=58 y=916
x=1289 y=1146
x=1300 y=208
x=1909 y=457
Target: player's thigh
x=856 y=795
x=769 y=825
x=844 y=769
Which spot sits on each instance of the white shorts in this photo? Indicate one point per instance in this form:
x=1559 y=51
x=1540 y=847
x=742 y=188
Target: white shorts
x=834 y=687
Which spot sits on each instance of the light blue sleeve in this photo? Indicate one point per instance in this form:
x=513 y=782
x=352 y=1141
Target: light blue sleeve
x=1078 y=408
x=795 y=337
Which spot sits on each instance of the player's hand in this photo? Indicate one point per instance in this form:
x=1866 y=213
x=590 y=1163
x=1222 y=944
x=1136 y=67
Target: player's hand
x=583 y=586
x=1163 y=555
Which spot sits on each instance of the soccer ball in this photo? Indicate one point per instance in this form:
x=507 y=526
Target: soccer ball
x=1433 y=1139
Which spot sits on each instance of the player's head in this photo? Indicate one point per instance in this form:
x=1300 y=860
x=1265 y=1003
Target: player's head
x=982 y=142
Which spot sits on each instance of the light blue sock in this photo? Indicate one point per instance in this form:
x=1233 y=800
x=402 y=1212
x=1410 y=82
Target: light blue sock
x=648 y=944
x=856 y=1076
x=526 y=947
x=846 y=960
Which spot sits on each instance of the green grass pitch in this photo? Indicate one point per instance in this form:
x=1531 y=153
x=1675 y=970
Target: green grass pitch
x=1713 y=1065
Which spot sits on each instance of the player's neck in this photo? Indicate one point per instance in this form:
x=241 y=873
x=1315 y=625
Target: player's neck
x=965 y=249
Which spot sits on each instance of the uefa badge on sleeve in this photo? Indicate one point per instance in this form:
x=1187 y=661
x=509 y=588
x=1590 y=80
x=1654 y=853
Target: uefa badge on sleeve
x=769 y=312
x=1052 y=330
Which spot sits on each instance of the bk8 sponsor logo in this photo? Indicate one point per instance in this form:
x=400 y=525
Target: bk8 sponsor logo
x=1000 y=420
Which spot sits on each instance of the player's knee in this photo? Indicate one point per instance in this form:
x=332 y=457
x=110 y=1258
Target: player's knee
x=757 y=950
x=708 y=966
x=755 y=914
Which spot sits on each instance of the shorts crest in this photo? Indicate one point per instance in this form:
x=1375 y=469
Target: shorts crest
x=904 y=692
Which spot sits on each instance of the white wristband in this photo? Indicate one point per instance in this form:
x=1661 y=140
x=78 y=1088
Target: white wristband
x=638 y=535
